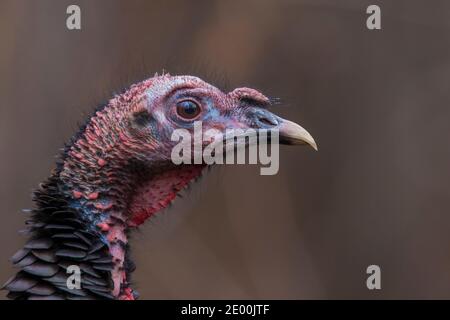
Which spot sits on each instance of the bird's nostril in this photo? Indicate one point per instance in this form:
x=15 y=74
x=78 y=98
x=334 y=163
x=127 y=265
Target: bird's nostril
x=267 y=121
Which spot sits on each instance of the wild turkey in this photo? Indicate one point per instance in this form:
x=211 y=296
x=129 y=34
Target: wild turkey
x=114 y=174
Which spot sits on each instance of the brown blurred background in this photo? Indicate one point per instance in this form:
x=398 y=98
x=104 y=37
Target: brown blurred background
x=377 y=102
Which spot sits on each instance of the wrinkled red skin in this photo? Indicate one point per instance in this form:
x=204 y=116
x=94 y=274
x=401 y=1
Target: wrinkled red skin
x=120 y=173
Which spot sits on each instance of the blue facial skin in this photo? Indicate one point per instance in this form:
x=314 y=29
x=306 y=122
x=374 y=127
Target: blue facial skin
x=214 y=115
x=211 y=112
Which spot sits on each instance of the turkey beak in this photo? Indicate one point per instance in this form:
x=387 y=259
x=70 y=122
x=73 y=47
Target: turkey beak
x=289 y=132
x=294 y=134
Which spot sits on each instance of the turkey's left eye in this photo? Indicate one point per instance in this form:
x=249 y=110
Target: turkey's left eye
x=188 y=109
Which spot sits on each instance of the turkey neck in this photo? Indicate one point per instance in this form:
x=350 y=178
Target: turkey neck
x=113 y=195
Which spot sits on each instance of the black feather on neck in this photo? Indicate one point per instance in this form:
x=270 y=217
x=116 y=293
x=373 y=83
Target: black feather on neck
x=60 y=237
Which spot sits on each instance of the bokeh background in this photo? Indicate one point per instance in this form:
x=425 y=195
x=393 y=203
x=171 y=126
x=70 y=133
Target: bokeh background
x=377 y=102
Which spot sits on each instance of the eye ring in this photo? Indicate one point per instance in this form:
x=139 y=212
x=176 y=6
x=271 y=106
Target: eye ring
x=188 y=109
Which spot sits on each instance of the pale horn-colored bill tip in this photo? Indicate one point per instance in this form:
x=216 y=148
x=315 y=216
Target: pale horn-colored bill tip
x=294 y=134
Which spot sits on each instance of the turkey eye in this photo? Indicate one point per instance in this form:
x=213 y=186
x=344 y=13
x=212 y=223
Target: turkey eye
x=188 y=109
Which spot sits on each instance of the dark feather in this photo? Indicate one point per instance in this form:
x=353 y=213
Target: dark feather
x=14 y=295
x=77 y=292
x=43 y=243
x=75 y=244
x=64 y=236
x=104 y=266
x=19 y=255
x=45 y=255
x=58 y=278
x=89 y=270
x=83 y=237
x=59 y=227
x=87 y=297
x=96 y=246
x=103 y=294
x=27 y=260
x=96 y=281
x=95 y=288
x=20 y=283
x=51 y=297
x=41 y=269
x=102 y=260
x=70 y=253
x=93 y=256
x=42 y=289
